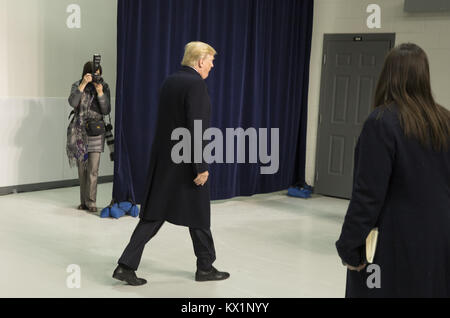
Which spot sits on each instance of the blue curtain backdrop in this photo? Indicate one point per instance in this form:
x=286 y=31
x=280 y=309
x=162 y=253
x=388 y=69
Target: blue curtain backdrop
x=260 y=80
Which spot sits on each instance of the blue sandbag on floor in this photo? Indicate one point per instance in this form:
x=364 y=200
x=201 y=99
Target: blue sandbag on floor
x=117 y=212
x=300 y=192
x=134 y=211
x=126 y=206
x=106 y=213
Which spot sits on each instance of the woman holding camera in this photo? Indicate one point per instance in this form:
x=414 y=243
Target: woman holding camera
x=90 y=98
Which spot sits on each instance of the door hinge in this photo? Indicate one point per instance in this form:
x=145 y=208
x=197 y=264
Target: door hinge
x=317 y=175
x=324 y=59
x=320 y=119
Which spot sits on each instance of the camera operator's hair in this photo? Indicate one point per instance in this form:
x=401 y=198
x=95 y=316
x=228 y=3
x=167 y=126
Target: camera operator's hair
x=405 y=81
x=194 y=51
x=89 y=68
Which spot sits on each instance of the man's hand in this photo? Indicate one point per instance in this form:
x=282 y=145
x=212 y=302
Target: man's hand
x=358 y=269
x=201 y=178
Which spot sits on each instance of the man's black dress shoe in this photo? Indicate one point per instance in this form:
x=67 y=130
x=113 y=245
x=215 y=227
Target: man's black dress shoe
x=214 y=274
x=128 y=276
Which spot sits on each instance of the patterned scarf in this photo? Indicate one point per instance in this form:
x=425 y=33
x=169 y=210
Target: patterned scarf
x=77 y=139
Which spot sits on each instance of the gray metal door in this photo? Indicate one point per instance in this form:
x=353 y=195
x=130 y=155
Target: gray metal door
x=351 y=66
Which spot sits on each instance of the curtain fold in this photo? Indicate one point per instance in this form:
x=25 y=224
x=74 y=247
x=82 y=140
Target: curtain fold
x=260 y=80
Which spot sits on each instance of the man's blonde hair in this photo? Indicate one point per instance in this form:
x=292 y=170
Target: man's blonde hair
x=194 y=51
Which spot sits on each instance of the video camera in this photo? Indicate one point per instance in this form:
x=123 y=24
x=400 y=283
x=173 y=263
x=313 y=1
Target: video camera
x=98 y=79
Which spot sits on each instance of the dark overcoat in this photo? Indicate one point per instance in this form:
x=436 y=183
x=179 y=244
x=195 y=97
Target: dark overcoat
x=171 y=192
x=403 y=188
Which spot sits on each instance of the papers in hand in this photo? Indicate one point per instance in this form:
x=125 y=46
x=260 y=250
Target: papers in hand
x=371 y=245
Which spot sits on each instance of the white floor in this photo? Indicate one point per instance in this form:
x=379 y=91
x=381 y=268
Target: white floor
x=273 y=246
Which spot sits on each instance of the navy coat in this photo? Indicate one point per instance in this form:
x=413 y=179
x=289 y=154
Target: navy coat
x=402 y=188
x=171 y=192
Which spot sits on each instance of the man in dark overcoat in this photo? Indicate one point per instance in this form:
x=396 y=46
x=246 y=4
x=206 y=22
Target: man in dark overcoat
x=178 y=192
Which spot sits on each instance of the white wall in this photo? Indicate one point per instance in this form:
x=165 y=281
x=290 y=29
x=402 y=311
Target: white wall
x=33 y=141
x=430 y=31
x=40 y=58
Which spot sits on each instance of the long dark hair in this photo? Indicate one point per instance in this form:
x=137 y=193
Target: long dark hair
x=405 y=81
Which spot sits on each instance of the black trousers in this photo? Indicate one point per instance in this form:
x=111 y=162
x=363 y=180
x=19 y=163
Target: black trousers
x=145 y=230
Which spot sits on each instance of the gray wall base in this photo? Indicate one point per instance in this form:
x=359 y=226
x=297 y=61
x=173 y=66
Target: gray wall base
x=49 y=185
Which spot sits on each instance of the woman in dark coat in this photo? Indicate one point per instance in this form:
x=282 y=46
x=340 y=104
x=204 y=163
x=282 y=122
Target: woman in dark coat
x=402 y=186
x=91 y=101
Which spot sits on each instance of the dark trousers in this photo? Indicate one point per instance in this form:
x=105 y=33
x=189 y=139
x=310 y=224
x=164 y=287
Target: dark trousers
x=145 y=230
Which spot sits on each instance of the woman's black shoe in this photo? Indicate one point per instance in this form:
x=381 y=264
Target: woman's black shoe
x=214 y=274
x=128 y=276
